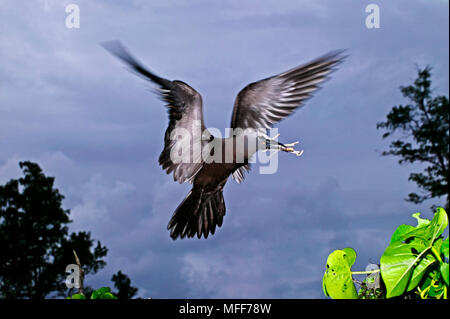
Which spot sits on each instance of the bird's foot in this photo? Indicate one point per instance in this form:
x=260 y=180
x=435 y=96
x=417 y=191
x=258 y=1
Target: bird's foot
x=292 y=144
x=290 y=149
x=272 y=144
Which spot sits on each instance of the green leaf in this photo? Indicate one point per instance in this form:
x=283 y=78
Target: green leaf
x=428 y=278
x=444 y=248
x=76 y=296
x=421 y=268
x=436 y=291
x=428 y=232
x=107 y=295
x=444 y=272
x=350 y=256
x=403 y=266
x=441 y=220
x=400 y=232
x=438 y=244
x=325 y=292
x=337 y=280
x=433 y=275
x=420 y=221
x=103 y=293
x=406 y=260
x=96 y=293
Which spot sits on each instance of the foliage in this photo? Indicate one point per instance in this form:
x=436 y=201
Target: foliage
x=369 y=292
x=337 y=281
x=121 y=281
x=37 y=245
x=424 y=124
x=102 y=293
x=414 y=265
x=123 y=285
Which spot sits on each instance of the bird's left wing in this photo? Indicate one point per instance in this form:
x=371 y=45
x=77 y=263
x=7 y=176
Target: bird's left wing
x=183 y=138
x=266 y=102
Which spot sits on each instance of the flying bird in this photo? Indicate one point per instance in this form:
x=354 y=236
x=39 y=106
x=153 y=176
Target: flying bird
x=257 y=107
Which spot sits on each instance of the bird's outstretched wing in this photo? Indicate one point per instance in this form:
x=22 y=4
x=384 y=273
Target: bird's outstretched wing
x=266 y=102
x=185 y=108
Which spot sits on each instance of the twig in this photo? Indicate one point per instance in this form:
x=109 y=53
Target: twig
x=81 y=274
x=357 y=282
x=365 y=272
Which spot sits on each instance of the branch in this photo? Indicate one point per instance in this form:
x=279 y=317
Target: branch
x=81 y=272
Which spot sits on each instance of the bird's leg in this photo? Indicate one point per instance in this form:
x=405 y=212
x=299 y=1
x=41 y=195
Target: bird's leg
x=291 y=144
x=296 y=152
x=271 y=144
x=275 y=137
x=288 y=148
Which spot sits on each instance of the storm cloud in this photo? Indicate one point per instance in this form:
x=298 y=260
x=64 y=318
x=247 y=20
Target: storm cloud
x=68 y=105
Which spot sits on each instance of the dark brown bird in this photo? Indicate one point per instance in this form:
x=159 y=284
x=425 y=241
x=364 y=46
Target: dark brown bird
x=258 y=106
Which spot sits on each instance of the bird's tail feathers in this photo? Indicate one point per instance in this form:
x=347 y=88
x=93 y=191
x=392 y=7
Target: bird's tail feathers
x=198 y=214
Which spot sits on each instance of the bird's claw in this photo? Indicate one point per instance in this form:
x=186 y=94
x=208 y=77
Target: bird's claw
x=285 y=147
x=289 y=148
x=274 y=138
x=292 y=144
x=298 y=153
x=292 y=150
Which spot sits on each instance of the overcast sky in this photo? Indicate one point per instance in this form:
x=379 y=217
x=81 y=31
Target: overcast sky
x=71 y=107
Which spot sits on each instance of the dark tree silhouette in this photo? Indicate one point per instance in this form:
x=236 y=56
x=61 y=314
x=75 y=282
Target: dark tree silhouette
x=36 y=245
x=123 y=286
x=424 y=124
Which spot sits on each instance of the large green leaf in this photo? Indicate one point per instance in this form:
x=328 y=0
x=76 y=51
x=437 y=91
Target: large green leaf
x=350 y=256
x=337 y=280
x=400 y=232
x=437 y=245
x=404 y=229
x=420 y=221
x=403 y=266
x=427 y=232
x=407 y=258
x=444 y=248
x=420 y=269
x=103 y=293
x=444 y=272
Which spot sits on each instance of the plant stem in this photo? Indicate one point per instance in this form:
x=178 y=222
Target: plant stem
x=365 y=272
x=81 y=274
x=436 y=254
x=425 y=291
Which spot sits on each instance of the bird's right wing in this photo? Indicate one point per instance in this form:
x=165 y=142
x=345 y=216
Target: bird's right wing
x=183 y=138
x=266 y=102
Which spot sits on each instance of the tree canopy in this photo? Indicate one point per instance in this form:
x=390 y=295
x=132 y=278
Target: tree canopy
x=123 y=286
x=423 y=124
x=37 y=245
